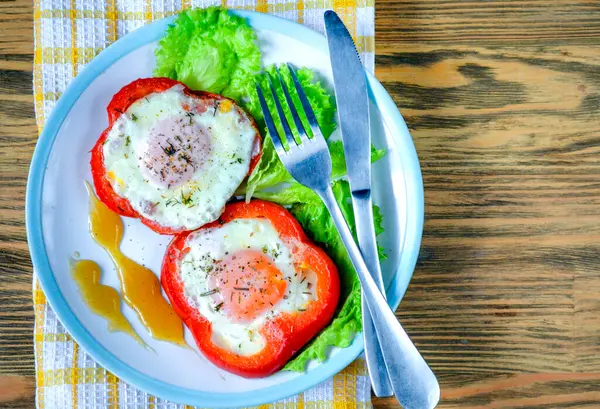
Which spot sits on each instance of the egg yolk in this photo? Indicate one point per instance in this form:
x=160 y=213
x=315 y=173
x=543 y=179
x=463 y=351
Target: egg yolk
x=247 y=284
x=226 y=105
x=176 y=148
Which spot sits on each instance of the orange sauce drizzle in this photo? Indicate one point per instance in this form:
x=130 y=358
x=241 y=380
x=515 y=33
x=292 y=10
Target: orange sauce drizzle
x=103 y=300
x=140 y=287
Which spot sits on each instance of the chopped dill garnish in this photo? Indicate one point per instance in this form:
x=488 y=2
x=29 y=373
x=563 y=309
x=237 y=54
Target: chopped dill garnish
x=190 y=115
x=169 y=150
x=172 y=201
x=187 y=200
x=186 y=158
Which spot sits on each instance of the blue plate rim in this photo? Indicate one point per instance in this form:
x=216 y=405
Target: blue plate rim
x=33 y=210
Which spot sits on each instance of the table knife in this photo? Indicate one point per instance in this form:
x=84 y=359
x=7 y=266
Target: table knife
x=354 y=122
x=409 y=378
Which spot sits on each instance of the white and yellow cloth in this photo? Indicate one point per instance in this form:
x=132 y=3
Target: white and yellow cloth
x=68 y=34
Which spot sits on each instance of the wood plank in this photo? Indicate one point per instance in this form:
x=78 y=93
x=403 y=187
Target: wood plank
x=18 y=134
x=17 y=392
x=520 y=391
x=501 y=22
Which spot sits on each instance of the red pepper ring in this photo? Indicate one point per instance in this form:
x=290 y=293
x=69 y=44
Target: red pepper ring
x=119 y=104
x=287 y=332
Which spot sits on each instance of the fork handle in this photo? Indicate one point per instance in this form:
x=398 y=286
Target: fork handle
x=413 y=382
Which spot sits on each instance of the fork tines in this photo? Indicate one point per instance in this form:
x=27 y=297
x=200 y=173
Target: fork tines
x=308 y=111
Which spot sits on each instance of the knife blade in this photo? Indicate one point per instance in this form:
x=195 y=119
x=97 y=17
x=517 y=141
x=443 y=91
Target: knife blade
x=354 y=122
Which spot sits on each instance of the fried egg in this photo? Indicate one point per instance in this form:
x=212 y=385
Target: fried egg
x=238 y=276
x=178 y=157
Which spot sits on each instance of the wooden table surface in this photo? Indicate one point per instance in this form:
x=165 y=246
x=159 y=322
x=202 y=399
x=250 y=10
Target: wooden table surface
x=503 y=101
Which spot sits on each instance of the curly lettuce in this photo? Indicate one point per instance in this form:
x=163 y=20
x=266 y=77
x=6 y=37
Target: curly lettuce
x=270 y=171
x=213 y=50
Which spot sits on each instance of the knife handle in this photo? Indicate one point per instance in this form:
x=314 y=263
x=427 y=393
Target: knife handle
x=413 y=382
x=365 y=231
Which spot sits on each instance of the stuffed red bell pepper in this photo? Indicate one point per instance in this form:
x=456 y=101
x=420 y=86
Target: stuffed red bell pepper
x=172 y=156
x=251 y=287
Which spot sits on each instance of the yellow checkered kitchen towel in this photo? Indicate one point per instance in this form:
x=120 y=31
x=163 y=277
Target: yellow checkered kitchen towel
x=68 y=34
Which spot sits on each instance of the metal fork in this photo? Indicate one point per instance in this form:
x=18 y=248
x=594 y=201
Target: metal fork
x=309 y=162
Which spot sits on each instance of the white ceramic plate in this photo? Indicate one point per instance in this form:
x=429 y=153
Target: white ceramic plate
x=57 y=213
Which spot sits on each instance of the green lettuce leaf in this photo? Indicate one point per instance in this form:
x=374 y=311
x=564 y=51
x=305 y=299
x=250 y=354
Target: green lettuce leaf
x=338 y=161
x=211 y=50
x=321 y=101
x=294 y=194
x=270 y=171
x=314 y=217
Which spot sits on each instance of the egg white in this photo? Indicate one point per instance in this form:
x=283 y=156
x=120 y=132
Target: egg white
x=210 y=245
x=202 y=198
